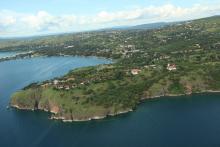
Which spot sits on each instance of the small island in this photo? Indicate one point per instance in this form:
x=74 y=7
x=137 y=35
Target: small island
x=179 y=59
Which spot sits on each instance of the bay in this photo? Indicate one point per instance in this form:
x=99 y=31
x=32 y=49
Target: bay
x=177 y=121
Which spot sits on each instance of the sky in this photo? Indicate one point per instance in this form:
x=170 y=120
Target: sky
x=41 y=17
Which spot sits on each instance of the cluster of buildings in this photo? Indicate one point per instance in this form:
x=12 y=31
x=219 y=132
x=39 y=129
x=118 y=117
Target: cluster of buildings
x=64 y=85
x=170 y=67
x=61 y=84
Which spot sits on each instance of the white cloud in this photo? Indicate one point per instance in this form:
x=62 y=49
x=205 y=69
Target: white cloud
x=38 y=21
x=14 y=23
x=8 y=20
x=160 y=13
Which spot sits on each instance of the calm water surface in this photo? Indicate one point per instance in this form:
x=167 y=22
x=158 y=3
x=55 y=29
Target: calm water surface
x=7 y=54
x=181 y=121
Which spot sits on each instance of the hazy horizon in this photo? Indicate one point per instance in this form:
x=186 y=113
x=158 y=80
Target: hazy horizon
x=38 y=17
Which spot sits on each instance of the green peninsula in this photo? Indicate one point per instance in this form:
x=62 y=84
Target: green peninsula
x=178 y=59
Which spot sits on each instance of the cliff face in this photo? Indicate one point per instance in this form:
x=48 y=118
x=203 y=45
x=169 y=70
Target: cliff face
x=62 y=108
x=31 y=99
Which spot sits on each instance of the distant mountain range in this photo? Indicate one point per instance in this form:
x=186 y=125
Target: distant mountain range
x=117 y=28
x=141 y=27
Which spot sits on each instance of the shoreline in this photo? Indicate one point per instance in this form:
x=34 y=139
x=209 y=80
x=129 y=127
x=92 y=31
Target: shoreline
x=176 y=95
x=90 y=118
x=63 y=119
x=31 y=55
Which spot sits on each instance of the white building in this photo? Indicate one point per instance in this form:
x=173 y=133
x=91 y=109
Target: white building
x=135 y=71
x=171 y=67
x=55 y=82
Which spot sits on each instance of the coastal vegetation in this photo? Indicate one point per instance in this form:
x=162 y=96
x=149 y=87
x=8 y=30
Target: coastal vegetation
x=179 y=59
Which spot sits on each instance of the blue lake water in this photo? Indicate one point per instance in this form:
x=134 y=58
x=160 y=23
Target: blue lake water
x=180 y=121
x=7 y=54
